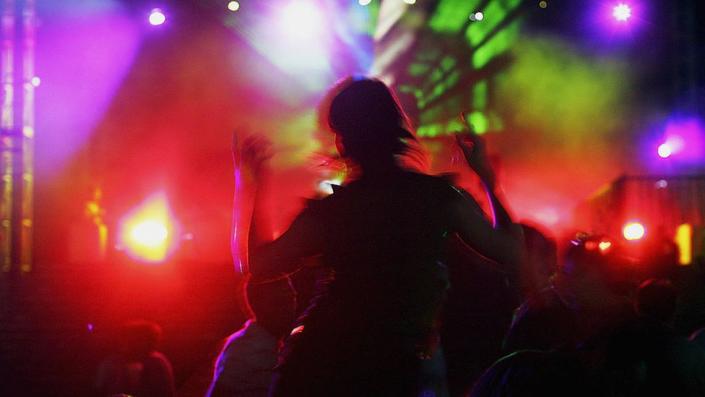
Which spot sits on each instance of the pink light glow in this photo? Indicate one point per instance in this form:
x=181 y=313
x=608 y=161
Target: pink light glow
x=685 y=139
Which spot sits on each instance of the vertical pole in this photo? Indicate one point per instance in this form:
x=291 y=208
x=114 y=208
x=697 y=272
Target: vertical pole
x=7 y=124
x=27 y=181
x=17 y=135
x=16 y=131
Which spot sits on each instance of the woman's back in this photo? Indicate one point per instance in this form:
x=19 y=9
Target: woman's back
x=372 y=331
x=383 y=237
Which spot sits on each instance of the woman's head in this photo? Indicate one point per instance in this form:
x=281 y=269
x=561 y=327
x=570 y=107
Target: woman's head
x=140 y=337
x=367 y=120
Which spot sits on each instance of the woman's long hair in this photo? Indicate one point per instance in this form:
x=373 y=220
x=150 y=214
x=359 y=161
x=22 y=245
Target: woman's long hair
x=367 y=119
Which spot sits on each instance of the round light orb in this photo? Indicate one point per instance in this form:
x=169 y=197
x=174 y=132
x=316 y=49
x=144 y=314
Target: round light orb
x=156 y=17
x=36 y=81
x=633 y=231
x=622 y=12
x=479 y=16
x=543 y=4
x=664 y=150
x=234 y=6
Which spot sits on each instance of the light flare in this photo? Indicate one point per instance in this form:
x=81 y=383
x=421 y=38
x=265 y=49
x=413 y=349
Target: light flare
x=633 y=231
x=157 y=17
x=622 y=12
x=147 y=233
x=684 y=241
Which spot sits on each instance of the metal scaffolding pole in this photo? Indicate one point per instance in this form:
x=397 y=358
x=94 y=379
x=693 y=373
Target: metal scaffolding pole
x=17 y=135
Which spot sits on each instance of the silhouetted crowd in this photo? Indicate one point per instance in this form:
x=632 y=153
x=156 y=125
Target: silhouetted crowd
x=399 y=284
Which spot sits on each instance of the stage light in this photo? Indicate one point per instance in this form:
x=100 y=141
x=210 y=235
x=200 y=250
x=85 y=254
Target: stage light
x=364 y=2
x=301 y=20
x=633 y=231
x=673 y=145
x=146 y=234
x=150 y=233
x=157 y=17
x=684 y=241
x=36 y=81
x=410 y=1
x=622 y=12
x=605 y=245
x=479 y=16
x=325 y=187
x=661 y=184
x=685 y=137
x=234 y=6
x=664 y=150
x=543 y=4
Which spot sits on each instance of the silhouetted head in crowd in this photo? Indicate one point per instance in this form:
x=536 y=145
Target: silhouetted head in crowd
x=596 y=272
x=698 y=337
x=139 y=338
x=585 y=259
x=656 y=300
x=273 y=305
x=530 y=373
x=541 y=258
x=368 y=121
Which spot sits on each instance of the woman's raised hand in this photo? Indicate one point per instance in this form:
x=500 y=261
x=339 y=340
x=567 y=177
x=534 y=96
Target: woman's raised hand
x=475 y=152
x=251 y=155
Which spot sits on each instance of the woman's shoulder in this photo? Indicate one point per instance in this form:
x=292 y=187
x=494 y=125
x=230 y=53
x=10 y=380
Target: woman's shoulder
x=416 y=177
x=438 y=184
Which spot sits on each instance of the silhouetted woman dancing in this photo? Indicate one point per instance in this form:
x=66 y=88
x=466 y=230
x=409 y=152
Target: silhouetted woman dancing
x=373 y=330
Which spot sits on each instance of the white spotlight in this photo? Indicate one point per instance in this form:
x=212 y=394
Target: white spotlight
x=234 y=6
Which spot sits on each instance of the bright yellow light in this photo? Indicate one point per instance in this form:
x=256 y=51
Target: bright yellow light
x=147 y=232
x=684 y=241
x=633 y=231
x=605 y=245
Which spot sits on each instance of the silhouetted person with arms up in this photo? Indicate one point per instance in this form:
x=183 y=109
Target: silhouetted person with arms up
x=373 y=331
x=138 y=369
x=482 y=294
